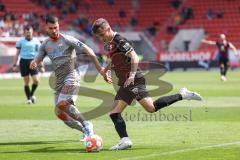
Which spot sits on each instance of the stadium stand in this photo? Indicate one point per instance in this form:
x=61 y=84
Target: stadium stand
x=157 y=18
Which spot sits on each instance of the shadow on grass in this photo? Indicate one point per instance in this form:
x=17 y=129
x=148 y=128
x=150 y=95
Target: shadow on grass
x=54 y=149
x=44 y=149
x=49 y=150
x=35 y=142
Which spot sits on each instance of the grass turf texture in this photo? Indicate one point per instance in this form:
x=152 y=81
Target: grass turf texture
x=210 y=129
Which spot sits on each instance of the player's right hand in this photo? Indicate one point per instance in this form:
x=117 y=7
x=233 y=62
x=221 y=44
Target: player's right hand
x=33 y=64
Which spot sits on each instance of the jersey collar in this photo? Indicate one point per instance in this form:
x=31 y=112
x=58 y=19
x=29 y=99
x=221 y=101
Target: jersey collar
x=114 y=34
x=55 y=39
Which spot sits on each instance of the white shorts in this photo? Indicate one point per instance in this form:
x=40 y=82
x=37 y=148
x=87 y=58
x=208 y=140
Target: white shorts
x=69 y=90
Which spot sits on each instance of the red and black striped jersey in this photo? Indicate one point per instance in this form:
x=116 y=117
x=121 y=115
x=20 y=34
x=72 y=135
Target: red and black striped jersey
x=223 y=48
x=118 y=50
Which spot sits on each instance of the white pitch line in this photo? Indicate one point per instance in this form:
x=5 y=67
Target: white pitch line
x=181 y=151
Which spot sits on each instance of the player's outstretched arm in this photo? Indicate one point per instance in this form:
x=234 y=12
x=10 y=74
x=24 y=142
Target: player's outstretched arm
x=107 y=78
x=208 y=42
x=108 y=66
x=39 y=58
x=134 y=66
x=78 y=45
x=94 y=59
x=233 y=48
x=134 y=62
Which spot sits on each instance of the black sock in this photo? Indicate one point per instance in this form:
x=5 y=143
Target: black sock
x=166 y=101
x=225 y=71
x=34 y=87
x=27 y=92
x=119 y=124
x=222 y=71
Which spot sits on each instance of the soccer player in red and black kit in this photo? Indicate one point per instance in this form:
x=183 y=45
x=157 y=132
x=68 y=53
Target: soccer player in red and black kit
x=223 y=46
x=124 y=61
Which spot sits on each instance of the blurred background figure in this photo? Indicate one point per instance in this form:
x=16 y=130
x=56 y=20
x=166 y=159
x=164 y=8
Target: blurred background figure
x=223 y=49
x=164 y=31
x=27 y=48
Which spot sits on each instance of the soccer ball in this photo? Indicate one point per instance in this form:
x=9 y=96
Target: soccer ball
x=93 y=143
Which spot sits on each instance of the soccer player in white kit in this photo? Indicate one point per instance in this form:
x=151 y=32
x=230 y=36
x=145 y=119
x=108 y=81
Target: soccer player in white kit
x=60 y=48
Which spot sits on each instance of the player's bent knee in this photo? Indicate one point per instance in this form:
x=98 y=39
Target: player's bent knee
x=60 y=114
x=63 y=116
x=36 y=82
x=63 y=105
x=115 y=111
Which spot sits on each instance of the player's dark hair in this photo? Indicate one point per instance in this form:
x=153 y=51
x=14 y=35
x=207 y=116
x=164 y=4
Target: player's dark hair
x=27 y=27
x=51 y=19
x=99 y=24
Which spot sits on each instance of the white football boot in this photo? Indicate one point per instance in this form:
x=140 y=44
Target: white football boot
x=29 y=101
x=189 y=95
x=223 y=78
x=124 y=143
x=33 y=99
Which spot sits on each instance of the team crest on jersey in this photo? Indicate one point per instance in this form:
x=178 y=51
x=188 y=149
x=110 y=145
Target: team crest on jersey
x=110 y=47
x=134 y=90
x=79 y=44
x=60 y=47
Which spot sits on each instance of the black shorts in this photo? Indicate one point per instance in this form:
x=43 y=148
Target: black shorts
x=223 y=61
x=24 y=68
x=137 y=91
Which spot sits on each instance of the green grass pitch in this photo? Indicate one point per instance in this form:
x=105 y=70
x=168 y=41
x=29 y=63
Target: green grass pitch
x=207 y=130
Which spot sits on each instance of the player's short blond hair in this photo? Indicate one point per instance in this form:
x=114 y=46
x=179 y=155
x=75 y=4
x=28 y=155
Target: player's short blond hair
x=100 y=23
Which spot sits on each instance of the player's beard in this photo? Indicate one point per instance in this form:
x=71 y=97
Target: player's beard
x=52 y=35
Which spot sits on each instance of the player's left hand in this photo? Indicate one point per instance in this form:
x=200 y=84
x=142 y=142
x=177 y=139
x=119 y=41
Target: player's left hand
x=129 y=81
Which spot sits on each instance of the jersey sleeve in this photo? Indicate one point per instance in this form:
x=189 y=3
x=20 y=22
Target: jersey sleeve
x=124 y=45
x=75 y=43
x=18 y=44
x=41 y=52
